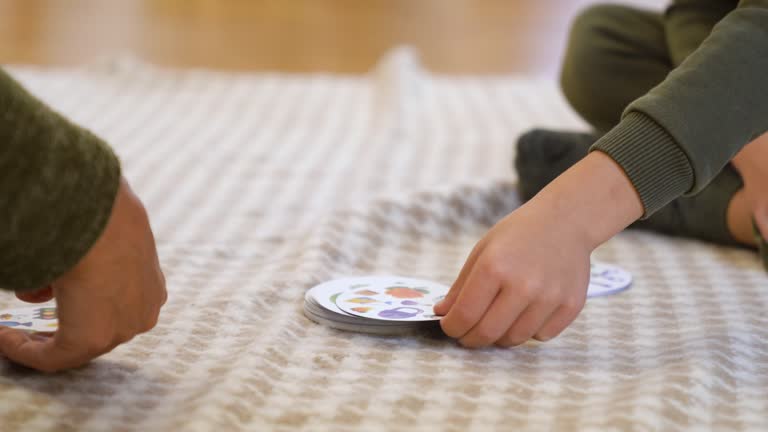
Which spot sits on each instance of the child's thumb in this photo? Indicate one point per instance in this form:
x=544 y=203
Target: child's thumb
x=446 y=304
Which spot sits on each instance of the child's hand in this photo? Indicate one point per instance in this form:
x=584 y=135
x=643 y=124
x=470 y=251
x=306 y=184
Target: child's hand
x=527 y=278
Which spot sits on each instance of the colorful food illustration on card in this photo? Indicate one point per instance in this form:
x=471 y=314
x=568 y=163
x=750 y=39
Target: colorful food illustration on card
x=392 y=298
x=37 y=319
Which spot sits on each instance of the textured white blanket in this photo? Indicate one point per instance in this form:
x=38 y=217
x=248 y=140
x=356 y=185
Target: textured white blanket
x=262 y=185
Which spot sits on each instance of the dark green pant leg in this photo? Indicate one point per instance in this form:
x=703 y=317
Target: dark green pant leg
x=615 y=54
x=704 y=215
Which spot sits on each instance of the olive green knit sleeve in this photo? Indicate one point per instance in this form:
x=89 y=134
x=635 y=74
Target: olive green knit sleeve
x=693 y=123
x=57 y=186
x=688 y=22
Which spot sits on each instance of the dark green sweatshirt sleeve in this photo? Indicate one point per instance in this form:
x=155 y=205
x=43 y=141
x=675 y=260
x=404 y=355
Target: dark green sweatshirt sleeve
x=57 y=186
x=688 y=22
x=677 y=137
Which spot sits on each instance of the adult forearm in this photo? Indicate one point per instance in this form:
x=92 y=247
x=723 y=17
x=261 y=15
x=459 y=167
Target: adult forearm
x=57 y=187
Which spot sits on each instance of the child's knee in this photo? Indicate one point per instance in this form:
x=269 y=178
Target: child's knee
x=599 y=17
x=585 y=57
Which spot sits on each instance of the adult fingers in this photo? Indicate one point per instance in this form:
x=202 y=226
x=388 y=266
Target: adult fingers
x=39 y=296
x=761 y=219
x=761 y=233
x=43 y=354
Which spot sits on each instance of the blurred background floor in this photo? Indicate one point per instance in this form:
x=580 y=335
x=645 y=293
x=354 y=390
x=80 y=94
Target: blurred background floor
x=522 y=37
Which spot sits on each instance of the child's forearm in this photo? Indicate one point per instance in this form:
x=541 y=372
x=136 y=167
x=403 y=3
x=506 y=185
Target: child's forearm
x=678 y=137
x=593 y=201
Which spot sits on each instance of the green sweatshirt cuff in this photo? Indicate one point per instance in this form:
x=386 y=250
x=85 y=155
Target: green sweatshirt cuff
x=58 y=184
x=657 y=167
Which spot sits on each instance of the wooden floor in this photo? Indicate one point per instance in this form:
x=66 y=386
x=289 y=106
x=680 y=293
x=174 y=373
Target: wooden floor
x=453 y=36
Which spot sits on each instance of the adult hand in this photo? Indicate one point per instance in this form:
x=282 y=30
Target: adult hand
x=114 y=293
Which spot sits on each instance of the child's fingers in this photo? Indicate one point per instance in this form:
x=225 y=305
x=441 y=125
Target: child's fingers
x=527 y=324
x=472 y=302
x=500 y=316
x=560 y=319
x=444 y=306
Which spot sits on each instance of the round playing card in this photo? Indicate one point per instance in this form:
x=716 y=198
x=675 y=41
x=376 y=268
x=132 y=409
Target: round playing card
x=325 y=294
x=38 y=319
x=605 y=279
x=392 y=298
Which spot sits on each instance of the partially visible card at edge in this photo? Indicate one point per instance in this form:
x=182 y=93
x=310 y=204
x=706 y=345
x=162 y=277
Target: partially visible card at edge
x=40 y=318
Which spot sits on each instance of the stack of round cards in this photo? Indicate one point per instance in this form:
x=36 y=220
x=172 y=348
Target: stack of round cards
x=375 y=304
x=391 y=305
